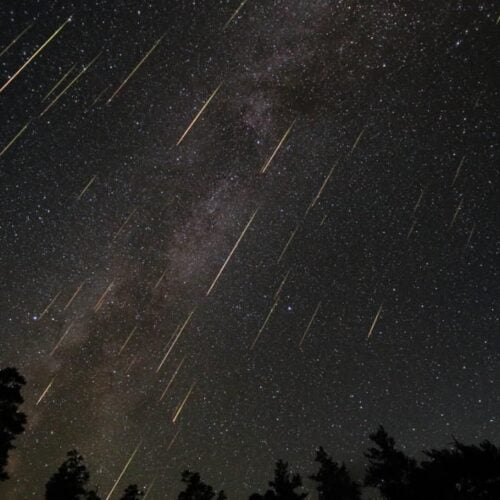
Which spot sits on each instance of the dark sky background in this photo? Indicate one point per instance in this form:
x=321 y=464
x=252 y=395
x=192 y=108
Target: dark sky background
x=401 y=96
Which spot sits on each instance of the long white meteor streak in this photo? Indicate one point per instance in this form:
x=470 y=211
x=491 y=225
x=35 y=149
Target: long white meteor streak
x=178 y=412
x=235 y=13
x=45 y=392
x=62 y=338
x=374 y=322
x=232 y=251
x=310 y=323
x=172 y=378
x=124 y=469
x=265 y=323
x=285 y=135
x=325 y=182
x=16 y=39
x=16 y=137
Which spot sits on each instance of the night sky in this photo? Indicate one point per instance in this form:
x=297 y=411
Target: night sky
x=314 y=257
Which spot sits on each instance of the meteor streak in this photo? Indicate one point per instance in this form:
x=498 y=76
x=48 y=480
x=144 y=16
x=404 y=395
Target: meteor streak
x=285 y=135
x=265 y=323
x=148 y=53
x=456 y=213
x=470 y=235
x=100 y=302
x=86 y=187
x=288 y=243
x=46 y=310
x=15 y=39
x=458 y=171
x=283 y=281
x=178 y=412
x=172 y=378
x=149 y=488
x=124 y=469
x=16 y=137
x=325 y=182
x=374 y=321
x=45 y=392
x=231 y=252
x=14 y=76
x=160 y=280
x=127 y=340
x=411 y=229
x=73 y=297
x=124 y=224
x=52 y=90
x=199 y=113
x=418 y=201
x=357 y=140
x=234 y=14
x=173 y=439
x=310 y=323
x=61 y=339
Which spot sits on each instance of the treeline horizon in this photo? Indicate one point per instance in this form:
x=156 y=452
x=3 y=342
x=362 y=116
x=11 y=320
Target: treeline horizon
x=459 y=472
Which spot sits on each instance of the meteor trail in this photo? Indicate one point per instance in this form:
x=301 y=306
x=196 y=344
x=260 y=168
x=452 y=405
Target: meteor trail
x=231 y=252
x=100 y=302
x=178 y=412
x=374 y=321
x=16 y=137
x=325 y=182
x=45 y=311
x=124 y=224
x=98 y=96
x=418 y=201
x=288 y=243
x=73 y=297
x=285 y=135
x=149 y=488
x=70 y=84
x=61 y=339
x=458 y=171
x=172 y=379
x=411 y=229
x=357 y=140
x=148 y=53
x=15 y=39
x=282 y=284
x=199 y=113
x=45 y=392
x=173 y=439
x=456 y=213
x=470 y=235
x=123 y=471
x=234 y=14
x=52 y=90
x=265 y=323
x=310 y=323
x=127 y=340
x=86 y=187
x=160 y=279
x=14 y=76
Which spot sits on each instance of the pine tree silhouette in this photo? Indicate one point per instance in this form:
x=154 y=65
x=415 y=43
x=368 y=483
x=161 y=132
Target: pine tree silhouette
x=70 y=481
x=284 y=485
x=132 y=493
x=196 y=489
x=11 y=419
x=334 y=482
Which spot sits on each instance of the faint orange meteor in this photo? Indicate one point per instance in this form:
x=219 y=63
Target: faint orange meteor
x=172 y=441
x=62 y=338
x=235 y=13
x=282 y=284
x=73 y=297
x=178 y=412
x=123 y=471
x=374 y=321
x=285 y=135
x=15 y=39
x=70 y=84
x=46 y=310
x=100 y=302
x=310 y=323
x=357 y=140
x=79 y=197
x=45 y=392
x=16 y=137
x=172 y=378
x=264 y=324
x=288 y=242
x=199 y=113
x=325 y=182
x=458 y=171
x=148 y=53
x=127 y=340
x=232 y=251
x=124 y=224
x=53 y=89
x=16 y=74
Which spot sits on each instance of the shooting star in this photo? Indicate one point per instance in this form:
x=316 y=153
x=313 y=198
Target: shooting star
x=148 y=53
x=199 y=113
x=288 y=243
x=62 y=338
x=45 y=392
x=470 y=235
x=15 y=39
x=130 y=335
x=46 y=310
x=16 y=74
x=178 y=412
x=149 y=488
x=123 y=471
x=310 y=323
x=456 y=213
x=160 y=279
x=457 y=173
x=418 y=201
x=79 y=197
x=410 y=232
x=323 y=220
x=172 y=379
x=54 y=88
x=16 y=137
x=124 y=224
x=325 y=182
x=234 y=14
x=99 y=95
x=356 y=142
x=73 y=297
x=374 y=322
x=282 y=284
x=232 y=251
x=264 y=324
x=270 y=159
x=101 y=300
x=172 y=441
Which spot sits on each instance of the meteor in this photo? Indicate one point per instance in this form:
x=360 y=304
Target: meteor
x=374 y=322
x=418 y=201
x=127 y=340
x=14 y=76
x=73 y=297
x=172 y=378
x=173 y=439
x=470 y=235
x=124 y=224
x=325 y=182
x=15 y=39
x=148 y=53
x=62 y=338
x=232 y=251
x=53 y=89
x=79 y=197
x=458 y=170
x=357 y=140
x=199 y=113
x=411 y=229
x=276 y=295
x=45 y=392
x=288 y=243
x=123 y=471
x=98 y=96
x=160 y=280
x=16 y=137
x=100 y=302
x=178 y=412
x=285 y=135
x=234 y=14
x=45 y=311
x=265 y=323
x=310 y=323
x=149 y=488
x=456 y=213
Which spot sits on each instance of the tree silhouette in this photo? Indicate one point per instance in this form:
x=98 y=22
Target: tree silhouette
x=11 y=419
x=132 y=493
x=389 y=470
x=196 y=489
x=70 y=481
x=284 y=485
x=334 y=482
